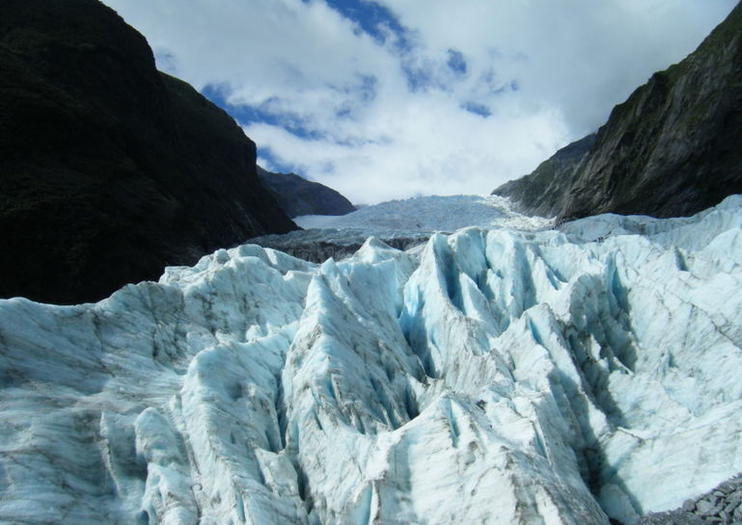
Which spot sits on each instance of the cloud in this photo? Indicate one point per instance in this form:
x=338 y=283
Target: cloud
x=385 y=99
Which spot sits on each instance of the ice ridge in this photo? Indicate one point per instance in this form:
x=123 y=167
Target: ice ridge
x=494 y=376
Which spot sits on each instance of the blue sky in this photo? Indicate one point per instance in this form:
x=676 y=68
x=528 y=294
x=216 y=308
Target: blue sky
x=373 y=18
x=386 y=99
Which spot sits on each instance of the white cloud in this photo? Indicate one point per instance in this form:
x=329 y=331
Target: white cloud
x=545 y=73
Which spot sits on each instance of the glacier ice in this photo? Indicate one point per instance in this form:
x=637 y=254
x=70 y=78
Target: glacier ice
x=492 y=376
x=427 y=214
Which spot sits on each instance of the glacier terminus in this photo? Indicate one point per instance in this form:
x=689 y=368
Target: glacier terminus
x=489 y=376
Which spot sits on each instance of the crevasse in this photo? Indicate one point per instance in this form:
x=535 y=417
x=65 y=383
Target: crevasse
x=491 y=376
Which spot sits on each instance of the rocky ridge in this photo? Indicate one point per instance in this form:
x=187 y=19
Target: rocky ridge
x=299 y=196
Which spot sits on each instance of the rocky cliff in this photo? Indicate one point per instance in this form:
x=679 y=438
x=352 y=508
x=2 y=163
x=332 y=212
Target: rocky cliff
x=672 y=149
x=543 y=191
x=299 y=196
x=110 y=169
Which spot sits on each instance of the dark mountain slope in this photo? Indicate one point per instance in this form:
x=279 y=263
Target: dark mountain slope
x=109 y=169
x=543 y=192
x=298 y=196
x=672 y=149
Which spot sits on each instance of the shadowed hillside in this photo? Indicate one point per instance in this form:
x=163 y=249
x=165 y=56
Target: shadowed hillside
x=110 y=169
x=298 y=196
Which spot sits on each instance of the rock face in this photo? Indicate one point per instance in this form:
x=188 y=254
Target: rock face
x=672 y=149
x=110 y=169
x=299 y=196
x=493 y=376
x=543 y=191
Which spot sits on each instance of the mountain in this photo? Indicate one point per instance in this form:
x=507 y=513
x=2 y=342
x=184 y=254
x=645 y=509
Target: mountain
x=672 y=149
x=110 y=169
x=544 y=191
x=492 y=376
x=299 y=196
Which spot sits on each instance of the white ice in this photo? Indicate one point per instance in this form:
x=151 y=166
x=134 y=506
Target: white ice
x=494 y=376
x=429 y=214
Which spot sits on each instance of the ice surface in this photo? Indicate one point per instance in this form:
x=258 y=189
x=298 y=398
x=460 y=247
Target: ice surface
x=493 y=376
x=429 y=214
x=402 y=224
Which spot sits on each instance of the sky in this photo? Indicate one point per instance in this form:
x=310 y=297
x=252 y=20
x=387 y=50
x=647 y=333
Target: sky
x=389 y=99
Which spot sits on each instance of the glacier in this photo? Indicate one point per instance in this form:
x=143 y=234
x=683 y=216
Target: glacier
x=490 y=376
x=427 y=214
